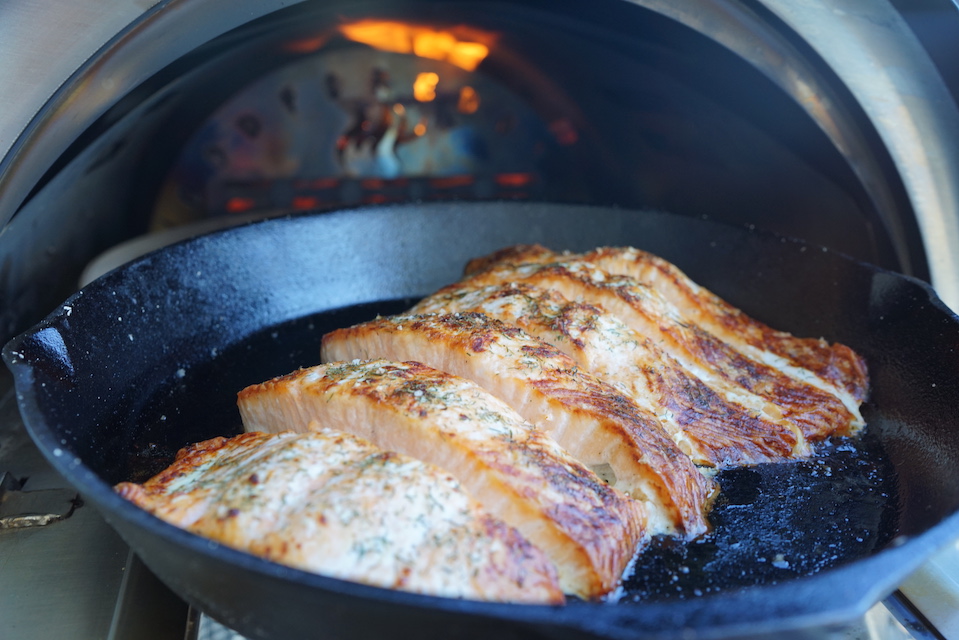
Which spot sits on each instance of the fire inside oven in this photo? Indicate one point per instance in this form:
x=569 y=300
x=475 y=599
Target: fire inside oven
x=387 y=112
x=371 y=112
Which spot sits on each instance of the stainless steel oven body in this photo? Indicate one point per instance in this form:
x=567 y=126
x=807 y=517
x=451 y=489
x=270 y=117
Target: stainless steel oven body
x=134 y=123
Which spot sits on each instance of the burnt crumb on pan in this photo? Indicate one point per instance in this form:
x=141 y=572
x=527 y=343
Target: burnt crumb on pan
x=777 y=522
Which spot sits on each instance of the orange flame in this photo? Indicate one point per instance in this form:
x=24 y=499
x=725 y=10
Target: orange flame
x=424 y=87
x=422 y=41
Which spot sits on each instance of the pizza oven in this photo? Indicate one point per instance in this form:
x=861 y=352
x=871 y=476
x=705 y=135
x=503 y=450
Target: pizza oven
x=127 y=126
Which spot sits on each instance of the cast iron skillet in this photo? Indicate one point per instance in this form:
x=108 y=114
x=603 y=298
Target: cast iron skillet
x=150 y=357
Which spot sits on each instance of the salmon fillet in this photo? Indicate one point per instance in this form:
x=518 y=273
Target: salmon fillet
x=836 y=367
x=589 y=530
x=812 y=412
x=513 y=255
x=711 y=428
x=595 y=423
x=334 y=504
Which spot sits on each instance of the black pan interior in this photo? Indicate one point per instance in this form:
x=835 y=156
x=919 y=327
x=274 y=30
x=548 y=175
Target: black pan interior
x=149 y=358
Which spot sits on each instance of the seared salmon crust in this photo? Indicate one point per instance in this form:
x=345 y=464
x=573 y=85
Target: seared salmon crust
x=716 y=425
x=593 y=421
x=588 y=529
x=813 y=408
x=334 y=504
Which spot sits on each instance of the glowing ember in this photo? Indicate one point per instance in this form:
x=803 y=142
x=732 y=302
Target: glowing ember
x=468 y=101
